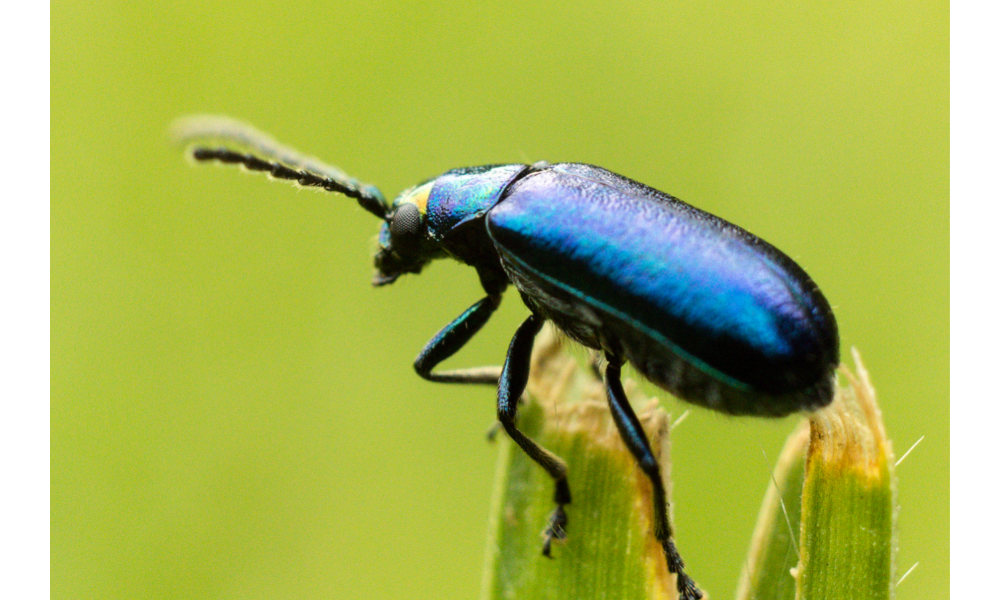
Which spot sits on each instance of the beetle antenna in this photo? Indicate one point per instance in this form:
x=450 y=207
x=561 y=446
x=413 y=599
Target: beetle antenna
x=233 y=142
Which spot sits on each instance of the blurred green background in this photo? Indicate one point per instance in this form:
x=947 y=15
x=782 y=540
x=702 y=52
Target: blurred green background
x=234 y=412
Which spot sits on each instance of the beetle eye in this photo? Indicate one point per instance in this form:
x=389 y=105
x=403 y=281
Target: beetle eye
x=405 y=225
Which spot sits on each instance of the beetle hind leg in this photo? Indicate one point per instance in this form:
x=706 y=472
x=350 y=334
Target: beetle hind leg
x=635 y=439
x=513 y=380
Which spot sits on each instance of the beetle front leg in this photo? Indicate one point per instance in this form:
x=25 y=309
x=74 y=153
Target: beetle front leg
x=450 y=340
x=513 y=379
x=635 y=439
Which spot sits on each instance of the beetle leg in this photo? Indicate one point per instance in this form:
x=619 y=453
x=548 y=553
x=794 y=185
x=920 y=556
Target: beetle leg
x=450 y=340
x=635 y=439
x=512 y=383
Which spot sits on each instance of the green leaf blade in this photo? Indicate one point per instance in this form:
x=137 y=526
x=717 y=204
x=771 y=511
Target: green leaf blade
x=834 y=490
x=774 y=551
x=848 y=499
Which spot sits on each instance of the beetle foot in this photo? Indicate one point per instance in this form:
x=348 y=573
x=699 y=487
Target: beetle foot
x=556 y=530
x=686 y=588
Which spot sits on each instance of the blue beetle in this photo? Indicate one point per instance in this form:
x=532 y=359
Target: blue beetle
x=699 y=306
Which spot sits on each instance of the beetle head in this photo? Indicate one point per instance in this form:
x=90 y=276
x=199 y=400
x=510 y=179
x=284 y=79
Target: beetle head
x=405 y=245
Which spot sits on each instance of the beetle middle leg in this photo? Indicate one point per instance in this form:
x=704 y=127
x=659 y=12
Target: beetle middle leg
x=513 y=379
x=635 y=439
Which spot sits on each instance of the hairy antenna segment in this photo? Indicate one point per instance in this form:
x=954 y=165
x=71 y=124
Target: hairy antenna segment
x=232 y=142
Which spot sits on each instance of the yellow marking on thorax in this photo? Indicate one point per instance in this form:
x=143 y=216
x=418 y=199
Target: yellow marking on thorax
x=419 y=196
